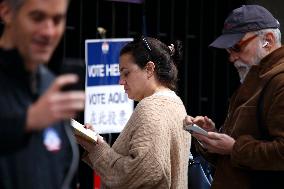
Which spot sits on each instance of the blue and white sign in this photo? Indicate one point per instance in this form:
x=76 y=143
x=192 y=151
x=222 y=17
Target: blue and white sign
x=107 y=106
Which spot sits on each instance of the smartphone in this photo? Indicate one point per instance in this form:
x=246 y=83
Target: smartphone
x=74 y=66
x=195 y=128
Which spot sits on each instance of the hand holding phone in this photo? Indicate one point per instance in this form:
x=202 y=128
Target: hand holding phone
x=195 y=128
x=80 y=130
x=77 y=67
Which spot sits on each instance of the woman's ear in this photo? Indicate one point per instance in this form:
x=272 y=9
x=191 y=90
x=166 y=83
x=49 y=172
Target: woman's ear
x=150 y=69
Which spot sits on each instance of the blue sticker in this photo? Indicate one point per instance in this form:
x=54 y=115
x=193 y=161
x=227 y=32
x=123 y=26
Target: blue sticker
x=51 y=140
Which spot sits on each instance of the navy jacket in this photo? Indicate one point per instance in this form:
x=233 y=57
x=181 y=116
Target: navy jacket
x=37 y=160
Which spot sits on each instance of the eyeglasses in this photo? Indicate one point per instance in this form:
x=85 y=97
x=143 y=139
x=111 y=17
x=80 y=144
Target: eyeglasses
x=241 y=44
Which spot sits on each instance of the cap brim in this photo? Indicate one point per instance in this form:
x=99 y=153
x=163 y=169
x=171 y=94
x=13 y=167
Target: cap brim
x=227 y=40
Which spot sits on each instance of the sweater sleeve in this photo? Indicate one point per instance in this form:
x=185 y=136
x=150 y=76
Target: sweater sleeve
x=144 y=165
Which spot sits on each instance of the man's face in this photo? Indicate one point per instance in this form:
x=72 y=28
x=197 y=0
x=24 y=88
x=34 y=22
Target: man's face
x=249 y=52
x=37 y=27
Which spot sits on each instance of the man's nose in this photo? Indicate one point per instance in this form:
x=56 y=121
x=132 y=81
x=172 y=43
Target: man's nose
x=49 y=28
x=233 y=56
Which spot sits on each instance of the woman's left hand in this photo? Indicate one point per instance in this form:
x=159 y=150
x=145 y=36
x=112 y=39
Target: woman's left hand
x=87 y=144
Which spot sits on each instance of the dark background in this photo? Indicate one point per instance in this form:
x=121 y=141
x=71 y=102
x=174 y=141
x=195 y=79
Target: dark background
x=207 y=80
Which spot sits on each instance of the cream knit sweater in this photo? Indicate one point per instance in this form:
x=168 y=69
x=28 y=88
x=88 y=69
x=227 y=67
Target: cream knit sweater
x=152 y=151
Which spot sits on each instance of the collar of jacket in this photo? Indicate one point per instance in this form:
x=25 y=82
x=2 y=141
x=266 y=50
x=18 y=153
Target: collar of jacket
x=11 y=63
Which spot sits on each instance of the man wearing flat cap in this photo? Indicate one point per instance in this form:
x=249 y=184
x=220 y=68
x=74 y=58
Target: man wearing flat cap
x=248 y=150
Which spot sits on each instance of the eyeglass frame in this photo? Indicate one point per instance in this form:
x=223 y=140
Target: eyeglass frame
x=241 y=44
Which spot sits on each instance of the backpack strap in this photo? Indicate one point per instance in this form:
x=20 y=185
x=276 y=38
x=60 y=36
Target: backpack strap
x=263 y=130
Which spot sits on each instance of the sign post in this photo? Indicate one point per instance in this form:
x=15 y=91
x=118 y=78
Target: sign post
x=107 y=106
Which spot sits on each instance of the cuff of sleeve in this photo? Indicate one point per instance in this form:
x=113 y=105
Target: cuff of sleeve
x=85 y=158
x=19 y=127
x=98 y=150
x=237 y=154
x=16 y=135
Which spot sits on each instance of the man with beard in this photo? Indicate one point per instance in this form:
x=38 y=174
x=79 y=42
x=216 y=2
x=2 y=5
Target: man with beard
x=246 y=156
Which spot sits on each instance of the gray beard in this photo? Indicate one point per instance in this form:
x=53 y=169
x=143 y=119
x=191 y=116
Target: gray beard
x=243 y=69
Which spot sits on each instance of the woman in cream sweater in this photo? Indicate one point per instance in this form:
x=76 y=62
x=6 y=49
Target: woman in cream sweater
x=153 y=150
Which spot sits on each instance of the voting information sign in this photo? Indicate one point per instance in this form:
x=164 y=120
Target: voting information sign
x=107 y=106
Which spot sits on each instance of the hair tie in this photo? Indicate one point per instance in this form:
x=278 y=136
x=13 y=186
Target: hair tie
x=172 y=49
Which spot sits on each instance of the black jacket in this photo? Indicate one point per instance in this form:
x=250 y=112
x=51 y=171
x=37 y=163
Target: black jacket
x=37 y=160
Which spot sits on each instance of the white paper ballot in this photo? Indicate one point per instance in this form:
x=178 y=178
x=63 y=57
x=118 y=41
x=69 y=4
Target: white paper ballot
x=80 y=130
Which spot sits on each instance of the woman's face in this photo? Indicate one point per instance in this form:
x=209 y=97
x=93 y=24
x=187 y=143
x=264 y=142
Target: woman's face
x=132 y=77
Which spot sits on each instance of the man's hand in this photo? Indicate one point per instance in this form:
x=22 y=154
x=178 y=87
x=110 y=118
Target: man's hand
x=203 y=122
x=55 y=105
x=216 y=142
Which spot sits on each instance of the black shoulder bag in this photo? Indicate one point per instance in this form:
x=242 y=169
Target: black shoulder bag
x=265 y=179
x=199 y=171
x=199 y=174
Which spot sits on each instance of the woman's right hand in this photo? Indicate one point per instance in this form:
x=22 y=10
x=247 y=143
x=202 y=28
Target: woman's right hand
x=89 y=126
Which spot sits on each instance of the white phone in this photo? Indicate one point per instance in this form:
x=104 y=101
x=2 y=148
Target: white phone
x=195 y=128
